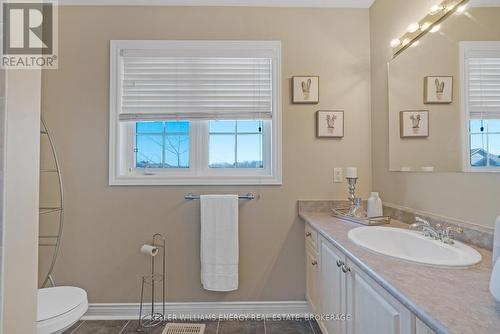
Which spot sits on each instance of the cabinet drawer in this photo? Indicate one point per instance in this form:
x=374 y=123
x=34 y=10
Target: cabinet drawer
x=311 y=237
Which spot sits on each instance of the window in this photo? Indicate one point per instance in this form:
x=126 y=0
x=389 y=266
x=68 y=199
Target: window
x=195 y=112
x=480 y=64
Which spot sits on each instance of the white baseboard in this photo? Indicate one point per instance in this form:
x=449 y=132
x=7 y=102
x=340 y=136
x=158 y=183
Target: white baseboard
x=130 y=311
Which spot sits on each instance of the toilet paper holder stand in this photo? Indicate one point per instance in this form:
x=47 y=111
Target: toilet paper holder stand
x=151 y=316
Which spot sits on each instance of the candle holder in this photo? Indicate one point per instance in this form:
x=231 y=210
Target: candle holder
x=351 y=181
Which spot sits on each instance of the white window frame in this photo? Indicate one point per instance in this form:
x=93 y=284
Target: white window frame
x=122 y=134
x=478 y=48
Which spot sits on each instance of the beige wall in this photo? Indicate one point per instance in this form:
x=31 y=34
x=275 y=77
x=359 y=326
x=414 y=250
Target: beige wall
x=106 y=225
x=437 y=54
x=471 y=197
x=22 y=123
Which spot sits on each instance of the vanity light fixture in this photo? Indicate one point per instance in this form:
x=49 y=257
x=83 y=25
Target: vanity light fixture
x=436 y=9
x=425 y=26
x=395 y=42
x=413 y=27
x=429 y=23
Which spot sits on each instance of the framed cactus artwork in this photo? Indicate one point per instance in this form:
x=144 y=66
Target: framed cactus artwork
x=414 y=123
x=330 y=124
x=305 y=89
x=438 y=90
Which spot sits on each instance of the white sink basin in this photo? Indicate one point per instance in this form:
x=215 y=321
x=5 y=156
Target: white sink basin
x=413 y=246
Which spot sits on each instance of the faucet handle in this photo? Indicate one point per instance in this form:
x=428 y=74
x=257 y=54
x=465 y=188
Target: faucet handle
x=422 y=221
x=456 y=229
x=447 y=238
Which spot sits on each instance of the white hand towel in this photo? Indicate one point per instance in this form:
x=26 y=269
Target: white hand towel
x=219 y=252
x=495 y=275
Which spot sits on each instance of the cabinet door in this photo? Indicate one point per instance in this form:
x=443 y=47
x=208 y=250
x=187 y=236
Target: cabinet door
x=332 y=287
x=372 y=309
x=312 y=265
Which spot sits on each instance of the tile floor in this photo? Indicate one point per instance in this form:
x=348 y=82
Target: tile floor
x=212 y=327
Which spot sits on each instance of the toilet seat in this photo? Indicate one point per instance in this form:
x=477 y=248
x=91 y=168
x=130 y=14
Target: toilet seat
x=59 y=308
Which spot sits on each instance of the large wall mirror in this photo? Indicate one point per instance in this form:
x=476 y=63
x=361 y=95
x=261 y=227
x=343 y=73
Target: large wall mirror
x=444 y=96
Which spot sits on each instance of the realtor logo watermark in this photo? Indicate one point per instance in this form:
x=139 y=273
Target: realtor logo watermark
x=29 y=37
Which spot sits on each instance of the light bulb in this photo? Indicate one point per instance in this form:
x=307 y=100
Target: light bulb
x=461 y=9
x=425 y=26
x=436 y=28
x=405 y=41
x=435 y=9
x=395 y=43
x=450 y=7
x=413 y=27
x=414 y=44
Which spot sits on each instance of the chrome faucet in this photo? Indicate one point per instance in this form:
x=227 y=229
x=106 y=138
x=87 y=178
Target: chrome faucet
x=437 y=233
x=426 y=228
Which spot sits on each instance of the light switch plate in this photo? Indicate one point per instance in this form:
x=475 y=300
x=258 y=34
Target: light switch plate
x=337 y=175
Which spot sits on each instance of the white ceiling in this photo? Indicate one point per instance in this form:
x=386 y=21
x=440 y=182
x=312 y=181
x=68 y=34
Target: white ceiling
x=249 y=3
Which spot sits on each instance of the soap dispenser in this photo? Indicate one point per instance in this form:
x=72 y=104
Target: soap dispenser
x=374 y=205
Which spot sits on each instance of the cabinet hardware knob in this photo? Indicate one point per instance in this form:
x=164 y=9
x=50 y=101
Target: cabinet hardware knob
x=340 y=263
x=345 y=269
x=314 y=263
x=308 y=234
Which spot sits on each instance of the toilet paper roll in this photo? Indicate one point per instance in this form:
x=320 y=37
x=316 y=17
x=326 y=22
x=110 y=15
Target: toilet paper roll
x=149 y=250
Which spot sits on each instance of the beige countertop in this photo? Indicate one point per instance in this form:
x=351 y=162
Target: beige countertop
x=446 y=300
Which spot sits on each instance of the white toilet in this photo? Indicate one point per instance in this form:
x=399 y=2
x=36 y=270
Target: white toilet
x=59 y=308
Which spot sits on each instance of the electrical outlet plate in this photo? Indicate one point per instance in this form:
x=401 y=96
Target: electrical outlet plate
x=337 y=175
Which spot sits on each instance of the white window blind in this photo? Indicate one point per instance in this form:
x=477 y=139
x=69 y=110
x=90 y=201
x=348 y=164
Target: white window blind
x=159 y=87
x=483 y=88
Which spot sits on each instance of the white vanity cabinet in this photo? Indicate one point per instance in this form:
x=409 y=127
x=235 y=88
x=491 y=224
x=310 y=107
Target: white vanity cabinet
x=336 y=286
x=372 y=308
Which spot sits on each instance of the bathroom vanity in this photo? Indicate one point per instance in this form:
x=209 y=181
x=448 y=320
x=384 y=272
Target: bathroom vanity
x=372 y=293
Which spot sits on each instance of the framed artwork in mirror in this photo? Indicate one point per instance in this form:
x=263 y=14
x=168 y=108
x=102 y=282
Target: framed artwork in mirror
x=330 y=124
x=438 y=90
x=305 y=89
x=414 y=124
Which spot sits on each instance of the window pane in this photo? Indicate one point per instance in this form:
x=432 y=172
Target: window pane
x=494 y=150
x=177 y=127
x=149 y=151
x=249 y=151
x=494 y=125
x=476 y=124
x=249 y=141
x=167 y=148
x=222 y=126
x=149 y=127
x=221 y=151
x=177 y=151
x=478 y=151
x=250 y=126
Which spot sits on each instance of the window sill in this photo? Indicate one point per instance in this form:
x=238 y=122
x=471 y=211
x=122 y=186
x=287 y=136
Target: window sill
x=481 y=170
x=158 y=180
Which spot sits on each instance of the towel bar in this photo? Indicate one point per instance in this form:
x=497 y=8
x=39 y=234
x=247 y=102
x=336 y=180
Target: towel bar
x=246 y=196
